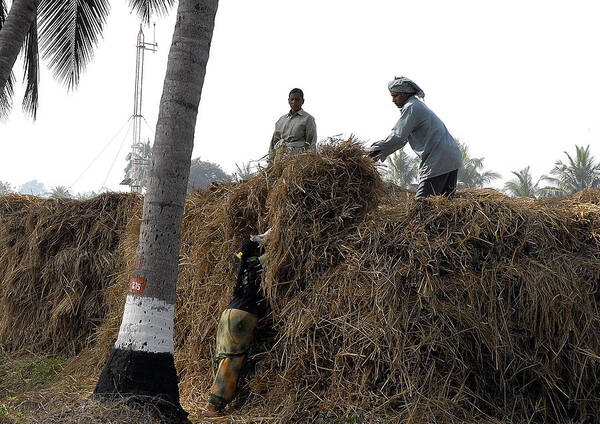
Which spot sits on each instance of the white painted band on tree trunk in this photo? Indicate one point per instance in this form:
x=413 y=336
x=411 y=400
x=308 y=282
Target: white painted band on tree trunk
x=147 y=325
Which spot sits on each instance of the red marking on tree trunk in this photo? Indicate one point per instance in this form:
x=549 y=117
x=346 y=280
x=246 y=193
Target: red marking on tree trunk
x=138 y=285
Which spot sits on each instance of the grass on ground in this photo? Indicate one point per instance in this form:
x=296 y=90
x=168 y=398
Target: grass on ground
x=20 y=376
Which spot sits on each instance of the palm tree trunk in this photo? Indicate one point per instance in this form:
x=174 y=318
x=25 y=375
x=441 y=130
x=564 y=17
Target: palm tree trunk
x=13 y=33
x=141 y=362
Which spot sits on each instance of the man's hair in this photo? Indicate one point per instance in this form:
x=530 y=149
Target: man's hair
x=297 y=90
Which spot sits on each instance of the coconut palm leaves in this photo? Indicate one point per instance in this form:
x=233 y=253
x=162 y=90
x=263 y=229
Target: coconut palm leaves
x=60 y=192
x=69 y=30
x=471 y=173
x=6 y=92
x=31 y=71
x=522 y=185
x=402 y=169
x=5 y=188
x=147 y=8
x=3 y=12
x=14 y=29
x=244 y=171
x=575 y=174
x=6 y=96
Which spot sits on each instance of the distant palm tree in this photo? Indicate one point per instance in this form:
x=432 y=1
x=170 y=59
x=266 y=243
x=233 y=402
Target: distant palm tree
x=574 y=175
x=60 y=192
x=522 y=185
x=68 y=33
x=5 y=188
x=244 y=171
x=402 y=169
x=471 y=172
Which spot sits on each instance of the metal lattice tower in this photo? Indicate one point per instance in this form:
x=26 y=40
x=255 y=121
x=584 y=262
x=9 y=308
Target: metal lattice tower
x=139 y=157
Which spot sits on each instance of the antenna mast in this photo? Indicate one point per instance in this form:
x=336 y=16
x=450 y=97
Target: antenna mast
x=140 y=152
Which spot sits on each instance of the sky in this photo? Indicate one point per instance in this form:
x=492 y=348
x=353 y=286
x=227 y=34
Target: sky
x=518 y=81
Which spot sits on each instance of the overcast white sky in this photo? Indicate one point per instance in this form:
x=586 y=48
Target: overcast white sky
x=517 y=80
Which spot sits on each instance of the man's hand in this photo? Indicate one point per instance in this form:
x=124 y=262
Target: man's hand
x=374 y=152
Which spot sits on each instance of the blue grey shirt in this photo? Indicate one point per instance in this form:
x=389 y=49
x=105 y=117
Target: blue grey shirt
x=428 y=137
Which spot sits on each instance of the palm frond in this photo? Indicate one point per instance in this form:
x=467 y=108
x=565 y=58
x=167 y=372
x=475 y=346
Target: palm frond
x=69 y=32
x=31 y=74
x=471 y=173
x=522 y=185
x=489 y=176
x=514 y=188
x=145 y=9
x=3 y=12
x=60 y=192
x=244 y=171
x=401 y=169
x=6 y=96
x=578 y=172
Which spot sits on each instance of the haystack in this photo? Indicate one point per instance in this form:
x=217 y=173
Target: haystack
x=57 y=257
x=478 y=309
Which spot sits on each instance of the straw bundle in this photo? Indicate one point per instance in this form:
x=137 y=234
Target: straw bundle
x=56 y=259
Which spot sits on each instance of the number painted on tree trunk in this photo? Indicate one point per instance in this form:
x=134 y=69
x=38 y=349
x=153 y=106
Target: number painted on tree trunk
x=138 y=285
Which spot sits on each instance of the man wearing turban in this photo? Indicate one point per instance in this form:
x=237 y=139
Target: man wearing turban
x=428 y=137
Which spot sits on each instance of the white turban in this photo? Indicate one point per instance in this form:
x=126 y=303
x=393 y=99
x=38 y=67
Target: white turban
x=405 y=85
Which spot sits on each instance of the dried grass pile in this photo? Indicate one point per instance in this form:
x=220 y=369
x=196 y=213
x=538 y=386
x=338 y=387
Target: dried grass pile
x=587 y=195
x=479 y=309
x=57 y=257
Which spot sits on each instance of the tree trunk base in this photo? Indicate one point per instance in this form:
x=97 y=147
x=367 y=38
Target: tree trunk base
x=142 y=378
